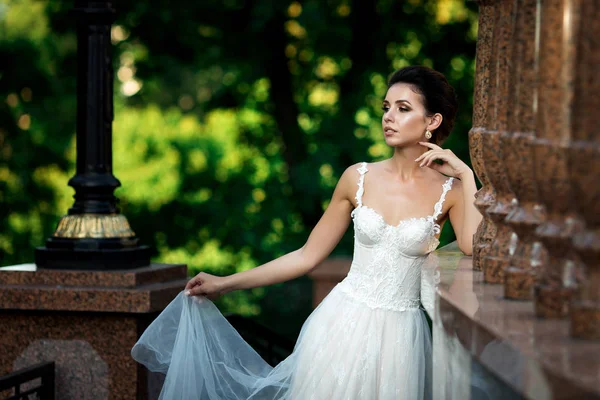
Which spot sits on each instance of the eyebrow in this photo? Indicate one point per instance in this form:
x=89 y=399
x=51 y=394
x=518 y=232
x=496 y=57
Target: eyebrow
x=398 y=101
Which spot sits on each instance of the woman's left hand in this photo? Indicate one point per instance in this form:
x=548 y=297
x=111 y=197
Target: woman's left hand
x=451 y=166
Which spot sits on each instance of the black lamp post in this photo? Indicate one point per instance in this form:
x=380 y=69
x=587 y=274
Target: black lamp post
x=94 y=235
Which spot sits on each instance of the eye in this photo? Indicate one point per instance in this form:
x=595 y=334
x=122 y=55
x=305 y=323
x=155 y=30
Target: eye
x=403 y=109
x=385 y=108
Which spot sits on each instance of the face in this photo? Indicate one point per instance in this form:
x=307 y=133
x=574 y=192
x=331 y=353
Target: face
x=404 y=118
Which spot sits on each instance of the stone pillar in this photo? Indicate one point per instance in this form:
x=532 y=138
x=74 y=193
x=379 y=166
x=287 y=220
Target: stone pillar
x=497 y=260
x=584 y=168
x=86 y=322
x=517 y=153
x=485 y=196
x=559 y=29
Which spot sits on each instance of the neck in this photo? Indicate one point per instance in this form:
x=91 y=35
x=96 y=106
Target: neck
x=403 y=163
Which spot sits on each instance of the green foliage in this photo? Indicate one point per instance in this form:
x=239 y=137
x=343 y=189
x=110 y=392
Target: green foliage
x=233 y=121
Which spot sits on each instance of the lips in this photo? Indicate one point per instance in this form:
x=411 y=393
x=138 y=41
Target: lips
x=389 y=131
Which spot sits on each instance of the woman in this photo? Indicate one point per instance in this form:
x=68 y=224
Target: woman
x=368 y=339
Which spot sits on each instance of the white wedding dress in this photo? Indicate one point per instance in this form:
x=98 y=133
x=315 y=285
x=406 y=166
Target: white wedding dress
x=367 y=340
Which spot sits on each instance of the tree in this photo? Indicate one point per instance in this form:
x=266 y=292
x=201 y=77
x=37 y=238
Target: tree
x=234 y=119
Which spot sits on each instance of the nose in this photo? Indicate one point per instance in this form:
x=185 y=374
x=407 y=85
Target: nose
x=387 y=116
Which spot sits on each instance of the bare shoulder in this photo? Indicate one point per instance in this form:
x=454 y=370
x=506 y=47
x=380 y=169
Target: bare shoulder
x=351 y=174
x=348 y=181
x=377 y=165
x=354 y=168
x=455 y=192
x=376 y=168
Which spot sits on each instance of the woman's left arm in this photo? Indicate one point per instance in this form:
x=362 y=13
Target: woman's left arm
x=464 y=216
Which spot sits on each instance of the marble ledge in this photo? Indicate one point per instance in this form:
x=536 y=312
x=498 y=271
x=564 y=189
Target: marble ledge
x=536 y=357
x=140 y=290
x=29 y=274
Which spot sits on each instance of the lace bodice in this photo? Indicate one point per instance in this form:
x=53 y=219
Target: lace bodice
x=386 y=266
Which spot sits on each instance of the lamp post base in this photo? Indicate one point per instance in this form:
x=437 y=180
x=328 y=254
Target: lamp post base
x=92 y=254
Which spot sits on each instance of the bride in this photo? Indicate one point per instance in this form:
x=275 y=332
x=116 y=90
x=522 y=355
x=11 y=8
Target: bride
x=368 y=339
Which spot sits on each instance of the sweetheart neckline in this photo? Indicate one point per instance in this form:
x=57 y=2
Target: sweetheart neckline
x=403 y=221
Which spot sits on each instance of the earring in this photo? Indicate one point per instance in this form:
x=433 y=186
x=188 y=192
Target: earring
x=428 y=134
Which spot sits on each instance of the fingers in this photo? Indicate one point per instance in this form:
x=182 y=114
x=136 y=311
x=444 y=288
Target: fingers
x=203 y=284
x=429 y=157
x=436 y=150
x=195 y=291
x=197 y=280
x=422 y=156
x=430 y=145
x=191 y=283
x=437 y=167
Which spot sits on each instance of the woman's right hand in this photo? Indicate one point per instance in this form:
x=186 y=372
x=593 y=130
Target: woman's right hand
x=207 y=285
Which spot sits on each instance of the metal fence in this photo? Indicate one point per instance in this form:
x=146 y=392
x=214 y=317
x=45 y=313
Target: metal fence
x=271 y=346
x=32 y=383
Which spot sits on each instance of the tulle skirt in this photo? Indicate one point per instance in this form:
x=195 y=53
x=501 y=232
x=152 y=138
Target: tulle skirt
x=345 y=350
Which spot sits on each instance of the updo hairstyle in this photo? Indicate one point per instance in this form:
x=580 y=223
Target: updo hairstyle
x=437 y=94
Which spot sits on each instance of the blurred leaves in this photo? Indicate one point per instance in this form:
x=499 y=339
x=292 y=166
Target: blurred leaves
x=233 y=121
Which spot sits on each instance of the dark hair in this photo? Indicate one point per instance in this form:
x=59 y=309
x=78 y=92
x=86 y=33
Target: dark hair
x=438 y=95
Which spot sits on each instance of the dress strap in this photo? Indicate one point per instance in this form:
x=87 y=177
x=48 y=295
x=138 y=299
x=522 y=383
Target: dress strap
x=437 y=209
x=362 y=170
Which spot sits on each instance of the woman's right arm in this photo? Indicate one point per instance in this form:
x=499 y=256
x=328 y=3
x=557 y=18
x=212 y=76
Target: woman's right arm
x=321 y=242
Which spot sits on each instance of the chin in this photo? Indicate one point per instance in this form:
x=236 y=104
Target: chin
x=396 y=142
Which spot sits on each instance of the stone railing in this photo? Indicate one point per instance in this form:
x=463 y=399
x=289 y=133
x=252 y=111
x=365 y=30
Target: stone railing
x=485 y=346
x=536 y=149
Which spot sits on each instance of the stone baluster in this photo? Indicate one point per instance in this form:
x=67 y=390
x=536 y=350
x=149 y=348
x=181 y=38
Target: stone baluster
x=555 y=278
x=584 y=168
x=484 y=198
x=517 y=153
x=498 y=258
